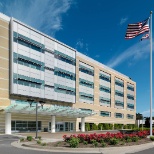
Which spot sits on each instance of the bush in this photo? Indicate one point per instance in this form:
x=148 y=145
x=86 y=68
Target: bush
x=118 y=126
x=152 y=138
x=94 y=143
x=94 y=127
x=125 y=127
x=29 y=138
x=114 y=141
x=39 y=137
x=38 y=142
x=74 y=142
x=135 y=139
x=22 y=139
x=85 y=142
x=103 y=144
x=100 y=126
x=101 y=140
x=87 y=127
x=44 y=144
x=128 y=140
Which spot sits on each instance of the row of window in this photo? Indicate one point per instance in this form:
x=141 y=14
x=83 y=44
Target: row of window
x=130 y=97
x=86 y=70
x=104 y=100
x=86 y=96
x=117 y=115
x=27 y=83
x=28 y=44
x=130 y=88
x=118 y=83
x=38 y=47
x=64 y=91
x=86 y=83
x=64 y=75
x=118 y=93
x=105 y=89
x=118 y=103
x=105 y=78
x=65 y=59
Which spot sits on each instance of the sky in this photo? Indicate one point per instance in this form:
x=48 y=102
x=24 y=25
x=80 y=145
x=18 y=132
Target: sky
x=97 y=29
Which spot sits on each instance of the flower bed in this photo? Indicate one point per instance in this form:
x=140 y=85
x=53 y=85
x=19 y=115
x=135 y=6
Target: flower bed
x=104 y=139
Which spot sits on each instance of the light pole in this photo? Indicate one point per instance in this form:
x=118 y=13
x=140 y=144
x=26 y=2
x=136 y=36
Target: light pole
x=42 y=103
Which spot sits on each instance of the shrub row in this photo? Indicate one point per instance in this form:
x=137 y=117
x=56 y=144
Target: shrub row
x=108 y=126
x=104 y=139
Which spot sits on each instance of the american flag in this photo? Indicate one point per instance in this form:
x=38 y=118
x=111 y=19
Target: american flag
x=146 y=36
x=136 y=29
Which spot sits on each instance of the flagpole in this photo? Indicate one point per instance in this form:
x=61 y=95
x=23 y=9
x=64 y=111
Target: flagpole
x=150 y=73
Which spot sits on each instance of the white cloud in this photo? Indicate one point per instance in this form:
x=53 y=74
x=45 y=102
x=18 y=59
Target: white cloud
x=147 y=113
x=81 y=45
x=45 y=15
x=97 y=56
x=123 y=20
x=135 y=52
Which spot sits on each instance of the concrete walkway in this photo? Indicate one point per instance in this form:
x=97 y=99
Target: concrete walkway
x=59 y=135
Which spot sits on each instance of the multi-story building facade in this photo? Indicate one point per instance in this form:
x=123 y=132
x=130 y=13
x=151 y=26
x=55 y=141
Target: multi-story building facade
x=37 y=68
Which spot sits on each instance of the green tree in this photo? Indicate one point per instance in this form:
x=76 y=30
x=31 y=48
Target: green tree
x=139 y=116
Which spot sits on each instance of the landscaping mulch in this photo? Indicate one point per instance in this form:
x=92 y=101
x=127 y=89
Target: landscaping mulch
x=63 y=144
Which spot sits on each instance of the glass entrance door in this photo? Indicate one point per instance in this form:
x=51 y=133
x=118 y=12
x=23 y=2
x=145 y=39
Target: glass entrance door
x=68 y=126
x=62 y=126
x=59 y=127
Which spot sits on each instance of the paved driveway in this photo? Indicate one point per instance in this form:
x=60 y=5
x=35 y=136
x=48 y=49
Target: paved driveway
x=6 y=148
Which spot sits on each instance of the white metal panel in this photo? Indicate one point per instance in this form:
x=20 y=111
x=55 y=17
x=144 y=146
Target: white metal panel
x=130 y=92
x=15 y=88
x=130 y=101
x=23 y=30
x=15 y=27
x=49 y=44
x=15 y=47
x=15 y=70
x=86 y=76
x=35 y=36
x=105 y=83
x=86 y=89
x=105 y=95
x=119 y=88
x=118 y=98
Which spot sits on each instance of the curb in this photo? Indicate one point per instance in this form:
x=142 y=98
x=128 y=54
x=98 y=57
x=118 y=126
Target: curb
x=111 y=150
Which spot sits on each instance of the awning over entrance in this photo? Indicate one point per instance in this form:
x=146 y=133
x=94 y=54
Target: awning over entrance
x=49 y=110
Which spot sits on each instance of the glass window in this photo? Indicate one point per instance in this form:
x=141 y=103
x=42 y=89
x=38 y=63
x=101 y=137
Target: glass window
x=105 y=114
x=129 y=116
x=118 y=115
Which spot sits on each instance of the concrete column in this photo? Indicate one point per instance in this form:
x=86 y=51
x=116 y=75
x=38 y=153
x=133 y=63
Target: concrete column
x=7 y=123
x=83 y=124
x=52 y=124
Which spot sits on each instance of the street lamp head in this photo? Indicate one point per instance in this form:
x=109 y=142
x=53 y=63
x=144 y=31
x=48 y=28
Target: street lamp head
x=42 y=103
x=30 y=101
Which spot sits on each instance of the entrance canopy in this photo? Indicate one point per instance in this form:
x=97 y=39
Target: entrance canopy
x=49 y=110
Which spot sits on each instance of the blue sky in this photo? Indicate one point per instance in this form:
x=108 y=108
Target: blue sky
x=97 y=29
